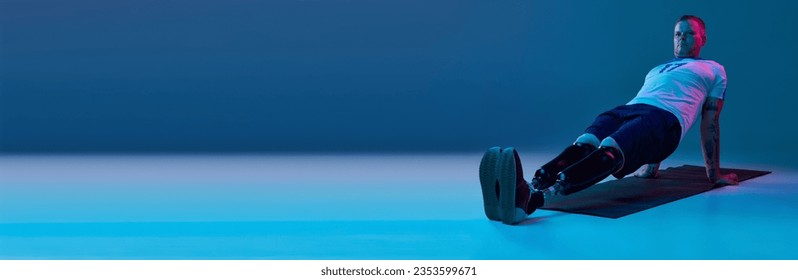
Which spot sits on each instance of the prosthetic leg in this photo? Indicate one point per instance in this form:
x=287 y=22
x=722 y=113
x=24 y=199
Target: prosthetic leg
x=546 y=176
x=601 y=163
x=517 y=199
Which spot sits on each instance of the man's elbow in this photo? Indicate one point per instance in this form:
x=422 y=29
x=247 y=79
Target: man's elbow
x=712 y=107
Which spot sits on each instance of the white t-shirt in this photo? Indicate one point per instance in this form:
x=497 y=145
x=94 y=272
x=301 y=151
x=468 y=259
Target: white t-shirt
x=681 y=86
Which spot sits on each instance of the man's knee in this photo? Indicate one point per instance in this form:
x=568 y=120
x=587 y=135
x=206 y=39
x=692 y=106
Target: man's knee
x=589 y=139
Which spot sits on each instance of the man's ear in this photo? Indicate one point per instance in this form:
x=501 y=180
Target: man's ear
x=703 y=40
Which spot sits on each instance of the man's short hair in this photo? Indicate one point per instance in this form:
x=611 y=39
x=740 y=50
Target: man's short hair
x=697 y=19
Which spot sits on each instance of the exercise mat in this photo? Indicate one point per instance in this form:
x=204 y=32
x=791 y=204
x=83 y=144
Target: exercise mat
x=618 y=198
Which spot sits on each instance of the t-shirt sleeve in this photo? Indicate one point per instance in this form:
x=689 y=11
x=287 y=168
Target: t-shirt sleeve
x=719 y=87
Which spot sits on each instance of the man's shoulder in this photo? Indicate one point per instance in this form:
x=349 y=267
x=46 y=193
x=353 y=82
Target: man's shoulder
x=712 y=66
x=710 y=62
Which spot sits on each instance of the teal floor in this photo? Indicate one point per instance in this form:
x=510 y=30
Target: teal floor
x=355 y=207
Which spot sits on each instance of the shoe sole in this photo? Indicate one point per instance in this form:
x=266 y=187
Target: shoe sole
x=507 y=184
x=488 y=180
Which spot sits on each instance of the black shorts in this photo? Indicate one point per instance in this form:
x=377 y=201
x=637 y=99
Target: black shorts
x=645 y=133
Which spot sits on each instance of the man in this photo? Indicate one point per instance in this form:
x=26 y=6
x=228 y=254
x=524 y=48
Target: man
x=638 y=135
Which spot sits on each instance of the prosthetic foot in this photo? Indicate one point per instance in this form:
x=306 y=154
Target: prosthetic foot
x=589 y=171
x=517 y=200
x=546 y=176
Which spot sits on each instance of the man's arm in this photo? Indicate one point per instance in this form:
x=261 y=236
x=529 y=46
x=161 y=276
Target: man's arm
x=710 y=141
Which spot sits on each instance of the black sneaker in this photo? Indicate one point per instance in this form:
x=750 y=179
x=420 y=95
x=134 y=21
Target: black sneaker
x=517 y=200
x=488 y=180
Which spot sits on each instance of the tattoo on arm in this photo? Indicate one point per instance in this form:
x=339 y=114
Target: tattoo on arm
x=710 y=137
x=711 y=106
x=711 y=149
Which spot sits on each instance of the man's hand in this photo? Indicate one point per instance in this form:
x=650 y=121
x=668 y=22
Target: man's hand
x=649 y=171
x=725 y=180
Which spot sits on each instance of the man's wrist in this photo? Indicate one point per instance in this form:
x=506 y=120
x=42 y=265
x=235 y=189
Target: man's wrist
x=713 y=173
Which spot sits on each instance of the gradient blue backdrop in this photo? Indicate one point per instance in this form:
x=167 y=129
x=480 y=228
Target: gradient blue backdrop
x=370 y=76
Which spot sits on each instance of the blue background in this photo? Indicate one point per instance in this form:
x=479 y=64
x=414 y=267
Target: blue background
x=176 y=76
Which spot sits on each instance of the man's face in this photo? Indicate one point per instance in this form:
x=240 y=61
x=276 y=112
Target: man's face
x=688 y=38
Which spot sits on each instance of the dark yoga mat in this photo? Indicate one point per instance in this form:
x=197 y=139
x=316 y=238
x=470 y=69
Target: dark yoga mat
x=618 y=198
